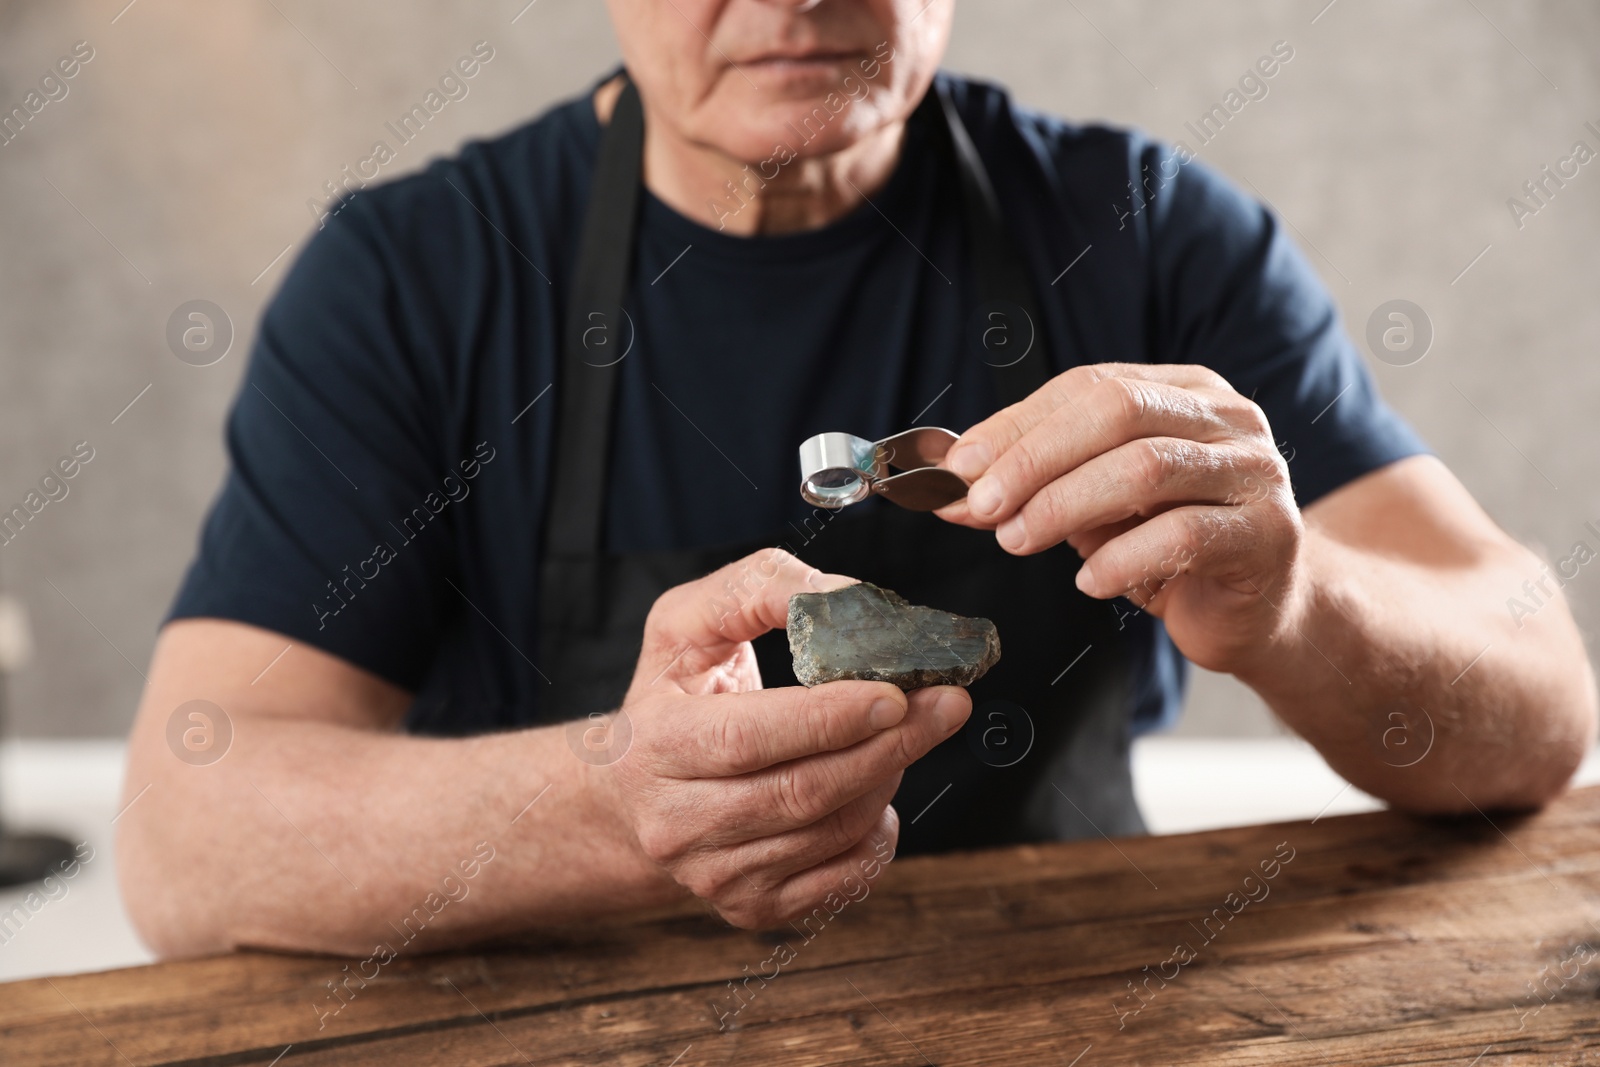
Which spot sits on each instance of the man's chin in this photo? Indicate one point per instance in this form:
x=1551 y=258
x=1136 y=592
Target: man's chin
x=803 y=130
x=800 y=80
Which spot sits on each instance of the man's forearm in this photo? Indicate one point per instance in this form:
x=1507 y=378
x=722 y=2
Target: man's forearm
x=1416 y=683
x=322 y=837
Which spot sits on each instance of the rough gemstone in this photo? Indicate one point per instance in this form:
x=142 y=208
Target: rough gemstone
x=872 y=634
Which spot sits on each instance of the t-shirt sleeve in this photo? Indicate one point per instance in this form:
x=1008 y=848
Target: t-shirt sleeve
x=1232 y=292
x=328 y=526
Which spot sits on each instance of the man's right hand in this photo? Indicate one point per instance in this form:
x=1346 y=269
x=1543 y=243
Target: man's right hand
x=762 y=801
x=322 y=824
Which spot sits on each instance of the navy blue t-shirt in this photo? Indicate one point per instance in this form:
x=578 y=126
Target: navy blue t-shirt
x=391 y=440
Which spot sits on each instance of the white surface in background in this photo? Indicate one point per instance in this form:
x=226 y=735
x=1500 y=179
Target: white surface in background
x=72 y=787
x=1186 y=783
x=68 y=788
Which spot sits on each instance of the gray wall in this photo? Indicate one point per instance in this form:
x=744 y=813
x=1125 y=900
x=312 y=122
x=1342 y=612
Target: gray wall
x=184 y=153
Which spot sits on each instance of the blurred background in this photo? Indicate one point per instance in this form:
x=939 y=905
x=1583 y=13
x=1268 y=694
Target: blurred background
x=182 y=159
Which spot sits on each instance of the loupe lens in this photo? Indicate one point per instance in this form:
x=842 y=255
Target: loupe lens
x=835 y=488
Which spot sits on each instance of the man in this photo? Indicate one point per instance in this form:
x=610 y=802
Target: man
x=457 y=624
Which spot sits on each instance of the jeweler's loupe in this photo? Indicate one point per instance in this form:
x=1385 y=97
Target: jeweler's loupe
x=839 y=469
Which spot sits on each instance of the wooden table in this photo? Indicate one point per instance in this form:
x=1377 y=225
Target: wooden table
x=1377 y=939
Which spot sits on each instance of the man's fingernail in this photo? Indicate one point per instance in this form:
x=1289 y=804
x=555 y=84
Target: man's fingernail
x=824 y=582
x=950 y=711
x=984 y=498
x=885 y=713
x=1011 y=534
x=970 y=460
x=1085 y=579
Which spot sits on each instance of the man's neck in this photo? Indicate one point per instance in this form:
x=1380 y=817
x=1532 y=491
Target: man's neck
x=803 y=194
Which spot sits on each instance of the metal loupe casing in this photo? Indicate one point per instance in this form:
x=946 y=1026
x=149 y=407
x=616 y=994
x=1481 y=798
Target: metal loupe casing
x=839 y=469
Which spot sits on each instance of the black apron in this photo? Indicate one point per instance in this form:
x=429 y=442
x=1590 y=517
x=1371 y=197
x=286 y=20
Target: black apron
x=1045 y=755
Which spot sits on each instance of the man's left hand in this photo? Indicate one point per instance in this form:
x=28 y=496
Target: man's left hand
x=1166 y=481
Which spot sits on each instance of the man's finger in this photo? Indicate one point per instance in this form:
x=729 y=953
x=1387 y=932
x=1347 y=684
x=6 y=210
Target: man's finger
x=1136 y=481
x=961 y=515
x=1088 y=542
x=736 y=603
x=985 y=442
x=793 y=795
x=846 y=877
x=787 y=796
x=772 y=860
x=1067 y=399
x=727 y=734
x=1110 y=414
x=1201 y=540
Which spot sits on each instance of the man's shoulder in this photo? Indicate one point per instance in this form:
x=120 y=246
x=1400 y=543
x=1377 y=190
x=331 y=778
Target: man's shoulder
x=1102 y=170
x=1000 y=127
x=518 y=184
x=1051 y=171
x=422 y=257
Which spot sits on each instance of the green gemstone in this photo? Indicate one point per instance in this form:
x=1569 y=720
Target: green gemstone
x=871 y=634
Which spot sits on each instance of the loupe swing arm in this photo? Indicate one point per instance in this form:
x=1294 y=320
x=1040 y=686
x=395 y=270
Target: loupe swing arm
x=839 y=469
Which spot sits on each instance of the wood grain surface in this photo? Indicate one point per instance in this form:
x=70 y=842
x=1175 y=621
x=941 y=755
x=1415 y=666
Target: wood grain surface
x=1377 y=939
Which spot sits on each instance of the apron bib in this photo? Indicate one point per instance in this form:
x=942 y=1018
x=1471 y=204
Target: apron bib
x=1045 y=755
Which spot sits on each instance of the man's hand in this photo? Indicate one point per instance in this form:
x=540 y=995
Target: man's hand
x=1166 y=481
x=762 y=801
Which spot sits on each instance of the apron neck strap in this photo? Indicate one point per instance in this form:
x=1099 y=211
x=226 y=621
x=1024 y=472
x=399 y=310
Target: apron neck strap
x=1001 y=276
x=587 y=375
